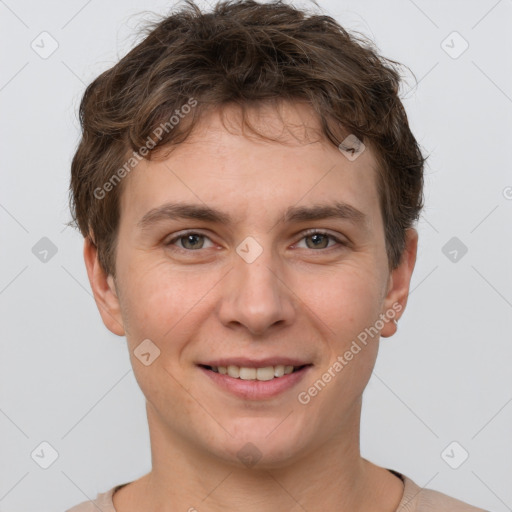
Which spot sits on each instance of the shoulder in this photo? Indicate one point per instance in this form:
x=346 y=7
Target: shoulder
x=103 y=502
x=417 y=499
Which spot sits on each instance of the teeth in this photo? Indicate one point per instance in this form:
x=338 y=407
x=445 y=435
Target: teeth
x=288 y=369
x=245 y=373
x=266 y=373
x=278 y=370
x=234 y=371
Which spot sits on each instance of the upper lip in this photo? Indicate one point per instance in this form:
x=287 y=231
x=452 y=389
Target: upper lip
x=253 y=363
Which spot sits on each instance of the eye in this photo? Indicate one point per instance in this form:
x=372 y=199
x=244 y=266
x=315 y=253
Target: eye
x=319 y=238
x=191 y=241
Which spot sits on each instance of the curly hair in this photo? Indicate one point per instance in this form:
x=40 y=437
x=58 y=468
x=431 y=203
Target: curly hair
x=242 y=52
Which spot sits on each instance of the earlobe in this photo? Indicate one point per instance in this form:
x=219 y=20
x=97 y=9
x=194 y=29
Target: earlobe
x=104 y=290
x=399 y=283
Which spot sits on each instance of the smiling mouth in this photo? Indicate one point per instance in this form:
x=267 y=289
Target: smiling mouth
x=262 y=374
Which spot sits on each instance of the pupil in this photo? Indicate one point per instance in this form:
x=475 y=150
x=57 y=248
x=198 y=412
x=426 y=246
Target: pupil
x=190 y=239
x=317 y=239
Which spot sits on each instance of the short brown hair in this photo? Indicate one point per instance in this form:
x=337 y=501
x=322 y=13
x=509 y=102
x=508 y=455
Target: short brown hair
x=241 y=52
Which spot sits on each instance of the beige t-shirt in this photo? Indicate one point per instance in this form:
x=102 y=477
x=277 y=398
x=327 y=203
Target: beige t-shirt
x=414 y=499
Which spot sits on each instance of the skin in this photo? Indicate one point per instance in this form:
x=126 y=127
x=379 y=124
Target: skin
x=296 y=299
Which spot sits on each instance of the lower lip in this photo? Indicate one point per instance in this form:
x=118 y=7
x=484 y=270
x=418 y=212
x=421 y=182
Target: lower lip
x=256 y=389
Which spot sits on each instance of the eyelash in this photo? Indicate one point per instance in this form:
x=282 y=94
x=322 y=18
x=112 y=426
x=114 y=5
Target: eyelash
x=306 y=234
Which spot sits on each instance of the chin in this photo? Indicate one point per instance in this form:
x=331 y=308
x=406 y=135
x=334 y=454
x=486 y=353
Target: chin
x=262 y=443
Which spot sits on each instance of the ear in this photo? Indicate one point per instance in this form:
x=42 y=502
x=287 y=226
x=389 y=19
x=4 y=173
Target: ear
x=398 y=285
x=104 y=290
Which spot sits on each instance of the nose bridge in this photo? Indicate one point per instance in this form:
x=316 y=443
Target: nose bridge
x=255 y=296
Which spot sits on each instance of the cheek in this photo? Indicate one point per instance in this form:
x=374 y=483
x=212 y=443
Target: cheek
x=346 y=299
x=159 y=300
x=148 y=301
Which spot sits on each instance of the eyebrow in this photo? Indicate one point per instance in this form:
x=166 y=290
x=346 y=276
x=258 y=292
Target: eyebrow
x=293 y=214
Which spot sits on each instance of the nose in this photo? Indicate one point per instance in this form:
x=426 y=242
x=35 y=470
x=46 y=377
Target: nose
x=256 y=296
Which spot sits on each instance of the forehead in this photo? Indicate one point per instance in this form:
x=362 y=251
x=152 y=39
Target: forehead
x=223 y=163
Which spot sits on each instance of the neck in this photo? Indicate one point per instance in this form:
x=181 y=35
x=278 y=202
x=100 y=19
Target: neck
x=332 y=477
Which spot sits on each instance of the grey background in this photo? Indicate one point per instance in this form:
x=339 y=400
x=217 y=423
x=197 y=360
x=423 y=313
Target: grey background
x=444 y=377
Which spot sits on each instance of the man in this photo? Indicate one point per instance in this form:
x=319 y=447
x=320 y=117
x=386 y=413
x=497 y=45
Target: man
x=247 y=185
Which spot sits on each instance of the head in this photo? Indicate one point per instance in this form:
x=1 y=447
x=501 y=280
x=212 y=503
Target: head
x=244 y=115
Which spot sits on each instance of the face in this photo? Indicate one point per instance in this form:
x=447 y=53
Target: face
x=279 y=260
